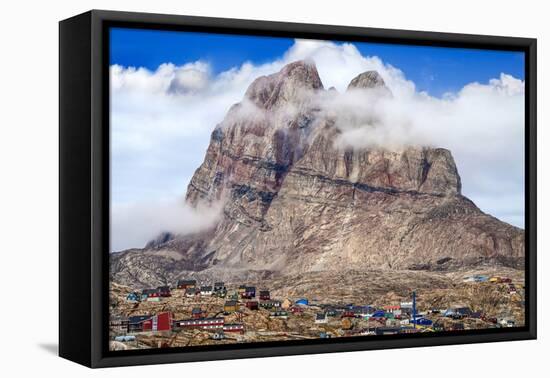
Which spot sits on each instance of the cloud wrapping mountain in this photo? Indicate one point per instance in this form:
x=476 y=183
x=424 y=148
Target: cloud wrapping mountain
x=162 y=120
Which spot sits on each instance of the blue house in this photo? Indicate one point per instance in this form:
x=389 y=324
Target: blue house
x=302 y=302
x=133 y=297
x=422 y=321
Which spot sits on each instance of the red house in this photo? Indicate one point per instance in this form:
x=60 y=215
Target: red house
x=204 y=323
x=252 y=305
x=234 y=327
x=160 y=322
x=297 y=310
x=249 y=292
x=164 y=291
x=264 y=295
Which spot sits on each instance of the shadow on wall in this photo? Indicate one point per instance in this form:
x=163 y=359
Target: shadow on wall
x=51 y=348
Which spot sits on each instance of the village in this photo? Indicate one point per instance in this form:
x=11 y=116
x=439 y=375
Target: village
x=196 y=313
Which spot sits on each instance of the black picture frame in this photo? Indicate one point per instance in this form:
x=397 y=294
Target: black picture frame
x=84 y=186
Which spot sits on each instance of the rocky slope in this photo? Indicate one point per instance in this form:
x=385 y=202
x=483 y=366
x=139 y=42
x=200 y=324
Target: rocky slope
x=295 y=201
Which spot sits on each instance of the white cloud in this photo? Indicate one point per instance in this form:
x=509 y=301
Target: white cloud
x=133 y=225
x=161 y=122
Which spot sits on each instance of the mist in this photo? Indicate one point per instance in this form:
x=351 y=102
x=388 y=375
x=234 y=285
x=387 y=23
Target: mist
x=134 y=224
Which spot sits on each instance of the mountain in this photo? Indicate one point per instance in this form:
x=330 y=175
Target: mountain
x=295 y=201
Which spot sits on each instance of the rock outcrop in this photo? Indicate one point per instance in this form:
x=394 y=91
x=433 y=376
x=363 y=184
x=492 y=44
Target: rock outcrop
x=296 y=202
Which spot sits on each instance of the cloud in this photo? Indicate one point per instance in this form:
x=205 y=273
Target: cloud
x=133 y=225
x=161 y=122
x=482 y=125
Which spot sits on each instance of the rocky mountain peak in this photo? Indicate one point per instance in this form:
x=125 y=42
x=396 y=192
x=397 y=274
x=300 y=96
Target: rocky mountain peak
x=296 y=202
x=290 y=84
x=366 y=80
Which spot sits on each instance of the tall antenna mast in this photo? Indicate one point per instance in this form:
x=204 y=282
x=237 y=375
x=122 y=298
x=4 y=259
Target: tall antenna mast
x=414 y=309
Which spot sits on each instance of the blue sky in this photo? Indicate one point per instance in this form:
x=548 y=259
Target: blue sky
x=433 y=69
x=162 y=114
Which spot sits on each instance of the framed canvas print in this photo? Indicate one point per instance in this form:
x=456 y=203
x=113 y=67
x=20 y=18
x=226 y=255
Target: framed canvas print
x=234 y=188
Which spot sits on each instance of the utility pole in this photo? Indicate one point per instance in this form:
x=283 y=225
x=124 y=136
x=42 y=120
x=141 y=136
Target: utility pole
x=414 y=309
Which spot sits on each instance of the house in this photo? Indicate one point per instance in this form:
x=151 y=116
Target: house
x=219 y=289
x=510 y=323
x=191 y=292
x=480 y=278
x=219 y=286
x=392 y=323
x=359 y=311
x=218 y=336
x=197 y=313
x=449 y=313
x=264 y=295
x=278 y=314
x=118 y=324
x=458 y=312
x=422 y=322
x=241 y=289
x=489 y=319
x=297 y=310
x=321 y=318
x=135 y=323
x=125 y=338
x=230 y=306
x=133 y=297
x=464 y=312
x=476 y=315
x=184 y=284
x=330 y=312
x=495 y=279
x=378 y=314
x=150 y=295
x=252 y=305
x=203 y=323
x=164 y=291
x=160 y=322
x=475 y=278
x=206 y=290
x=348 y=314
x=249 y=292
x=234 y=327
x=221 y=293
x=302 y=302
x=392 y=308
x=270 y=304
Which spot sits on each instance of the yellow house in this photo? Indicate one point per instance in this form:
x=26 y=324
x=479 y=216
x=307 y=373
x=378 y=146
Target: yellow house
x=230 y=306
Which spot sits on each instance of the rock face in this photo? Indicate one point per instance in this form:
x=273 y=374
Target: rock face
x=295 y=202
x=369 y=79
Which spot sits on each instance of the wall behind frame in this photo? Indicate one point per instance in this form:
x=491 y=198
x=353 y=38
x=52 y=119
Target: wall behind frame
x=29 y=152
